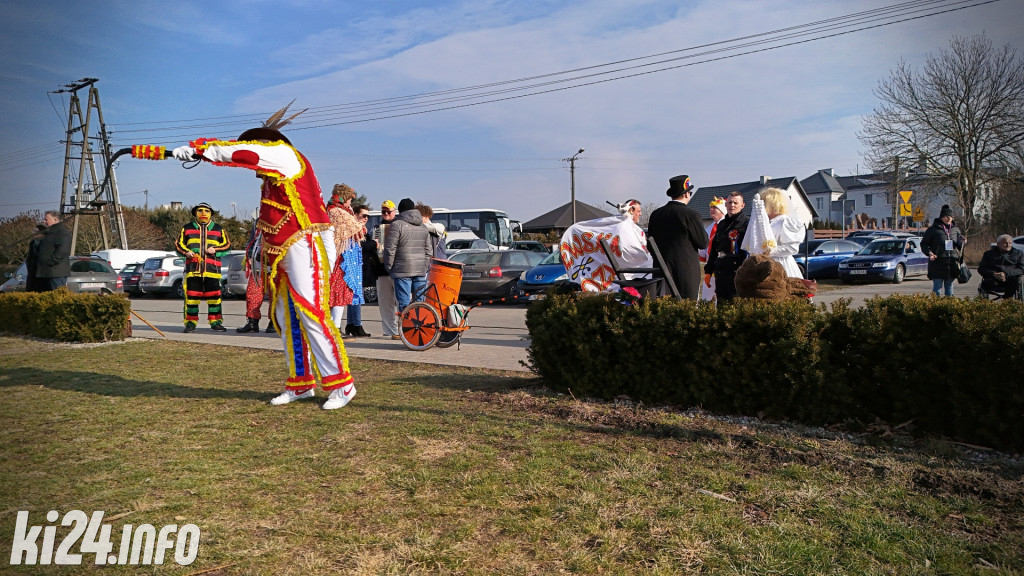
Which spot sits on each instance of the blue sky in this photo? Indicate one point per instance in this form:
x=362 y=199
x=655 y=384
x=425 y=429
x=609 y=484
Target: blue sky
x=781 y=112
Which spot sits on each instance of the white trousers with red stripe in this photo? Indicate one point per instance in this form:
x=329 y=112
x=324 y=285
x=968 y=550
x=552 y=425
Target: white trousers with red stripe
x=300 y=304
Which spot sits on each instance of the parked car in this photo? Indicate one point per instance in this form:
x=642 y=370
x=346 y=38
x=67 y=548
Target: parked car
x=163 y=275
x=88 y=275
x=494 y=273
x=531 y=245
x=821 y=258
x=891 y=259
x=549 y=273
x=233 y=281
x=453 y=247
x=130 y=276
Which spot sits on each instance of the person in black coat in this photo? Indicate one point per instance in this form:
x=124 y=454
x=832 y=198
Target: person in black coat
x=1002 y=266
x=679 y=233
x=32 y=283
x=53 y=262
x=943 y=244
x=725 y=254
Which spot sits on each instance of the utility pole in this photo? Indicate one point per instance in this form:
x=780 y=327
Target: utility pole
x=572 y=180
x=87 y=191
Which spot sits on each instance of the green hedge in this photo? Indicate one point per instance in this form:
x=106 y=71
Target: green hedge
x=64 y=316
x=951 y=365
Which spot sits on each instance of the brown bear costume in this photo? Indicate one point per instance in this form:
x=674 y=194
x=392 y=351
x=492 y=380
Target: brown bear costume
x=762 y=277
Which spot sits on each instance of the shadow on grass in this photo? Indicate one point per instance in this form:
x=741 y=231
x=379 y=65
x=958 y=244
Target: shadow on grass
x=107 y=385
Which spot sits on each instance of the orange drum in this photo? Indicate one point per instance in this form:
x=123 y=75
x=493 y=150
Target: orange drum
x=444 y=280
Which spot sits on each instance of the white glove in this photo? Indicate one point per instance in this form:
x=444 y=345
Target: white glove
x=183 y=153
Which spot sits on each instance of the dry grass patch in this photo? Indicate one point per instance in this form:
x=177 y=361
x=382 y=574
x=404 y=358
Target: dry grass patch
x=440 y=470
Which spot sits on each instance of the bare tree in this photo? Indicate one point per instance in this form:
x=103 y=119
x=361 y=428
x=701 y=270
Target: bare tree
x=961 y=118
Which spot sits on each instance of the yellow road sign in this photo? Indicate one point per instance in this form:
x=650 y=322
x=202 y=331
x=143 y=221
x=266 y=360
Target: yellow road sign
x=906 y=210
x=919 y=214
x=905 y=194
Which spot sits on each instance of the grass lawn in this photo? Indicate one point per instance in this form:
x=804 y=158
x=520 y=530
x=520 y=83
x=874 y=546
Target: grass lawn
x=438 y=470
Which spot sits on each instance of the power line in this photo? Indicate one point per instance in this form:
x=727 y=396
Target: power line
x=170 y=132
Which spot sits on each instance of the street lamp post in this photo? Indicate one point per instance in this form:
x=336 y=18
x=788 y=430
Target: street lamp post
x=572 y=181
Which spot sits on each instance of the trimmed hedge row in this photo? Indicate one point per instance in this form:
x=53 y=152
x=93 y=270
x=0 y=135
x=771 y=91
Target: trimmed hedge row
x=65 y=316
x=951 y=365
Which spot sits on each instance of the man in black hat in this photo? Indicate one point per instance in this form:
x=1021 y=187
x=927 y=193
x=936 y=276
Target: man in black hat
x=202 y=242
x=679 y=233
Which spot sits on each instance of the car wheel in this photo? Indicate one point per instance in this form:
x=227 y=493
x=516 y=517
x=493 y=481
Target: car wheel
x=179 y=290
x=512 y=291
x=899 y=274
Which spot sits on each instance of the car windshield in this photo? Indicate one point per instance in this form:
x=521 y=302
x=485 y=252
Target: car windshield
x=884 y=247
x=553 y=258
x=232 y=262
x=478 y=258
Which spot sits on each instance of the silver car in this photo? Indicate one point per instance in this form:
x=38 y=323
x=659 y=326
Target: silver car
x=233 y=281
x=163 y=275
x=88 y=275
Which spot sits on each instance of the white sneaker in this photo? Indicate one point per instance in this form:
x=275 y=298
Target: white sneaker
x=290 y=396
x=339 y=397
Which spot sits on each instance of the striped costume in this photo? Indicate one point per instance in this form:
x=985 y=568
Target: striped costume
x=202 y=269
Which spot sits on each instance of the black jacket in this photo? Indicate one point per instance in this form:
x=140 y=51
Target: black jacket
x=53 y=260
x=679 y=233
x=946 y=265
x=725 y=254
x=995 y=260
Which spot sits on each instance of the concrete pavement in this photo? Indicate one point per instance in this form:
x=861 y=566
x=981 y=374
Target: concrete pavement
x=497 y=337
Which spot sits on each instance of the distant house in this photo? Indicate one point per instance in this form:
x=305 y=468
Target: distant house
x=874 y=196
x=823 y=189
x=560 y=218
x=799 y=205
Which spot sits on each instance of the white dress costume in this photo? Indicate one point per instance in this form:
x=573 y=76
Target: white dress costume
x=789 y=233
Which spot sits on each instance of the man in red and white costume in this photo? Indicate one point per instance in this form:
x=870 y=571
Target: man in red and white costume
x=298 y=245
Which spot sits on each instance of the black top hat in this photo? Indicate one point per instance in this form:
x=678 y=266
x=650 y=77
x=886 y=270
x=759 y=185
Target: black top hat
x=679 y=185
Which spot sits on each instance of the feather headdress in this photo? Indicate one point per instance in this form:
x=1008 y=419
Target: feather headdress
x=271 y=128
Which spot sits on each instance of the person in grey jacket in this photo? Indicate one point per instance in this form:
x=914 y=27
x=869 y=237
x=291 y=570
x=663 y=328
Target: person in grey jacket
x=53 y=265
x=407 y=252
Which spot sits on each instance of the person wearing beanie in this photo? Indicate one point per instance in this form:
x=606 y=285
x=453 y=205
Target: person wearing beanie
x=407 y=252
x=943 y=244
x=679 y=233
x=202 y=242
x=386 y=303
x=716 y=209
x=298 y=250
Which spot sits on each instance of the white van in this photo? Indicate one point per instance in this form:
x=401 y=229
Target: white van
x=119 y=258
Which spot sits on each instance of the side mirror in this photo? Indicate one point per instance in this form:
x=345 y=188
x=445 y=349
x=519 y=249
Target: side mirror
x=819 y=252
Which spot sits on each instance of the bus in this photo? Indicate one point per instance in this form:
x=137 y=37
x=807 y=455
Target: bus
x=492 y=225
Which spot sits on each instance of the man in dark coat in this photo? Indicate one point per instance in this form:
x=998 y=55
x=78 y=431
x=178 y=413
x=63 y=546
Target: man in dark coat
x=725 y=254
x=679 y=233
x=1002 y=266
x=53 y=262
x=32 y=283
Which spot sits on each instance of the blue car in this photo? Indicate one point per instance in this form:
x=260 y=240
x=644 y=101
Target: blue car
x=890 y=259
x=821 y=258
x=548 y=273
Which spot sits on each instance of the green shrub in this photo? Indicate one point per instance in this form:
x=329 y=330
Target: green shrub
x=949 y=365
x=64 y=316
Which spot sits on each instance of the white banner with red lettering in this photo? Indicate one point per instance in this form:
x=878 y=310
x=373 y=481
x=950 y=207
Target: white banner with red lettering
x=585 y=261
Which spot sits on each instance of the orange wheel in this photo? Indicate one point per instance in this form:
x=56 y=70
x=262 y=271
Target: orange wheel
x=421 y=326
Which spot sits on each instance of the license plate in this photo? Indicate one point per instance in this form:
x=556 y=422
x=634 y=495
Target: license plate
x=147 y=275
x=858 y=271
x=471 y=275
x=91 y=285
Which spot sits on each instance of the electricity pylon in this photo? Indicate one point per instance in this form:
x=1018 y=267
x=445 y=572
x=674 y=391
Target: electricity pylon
x=90 y=189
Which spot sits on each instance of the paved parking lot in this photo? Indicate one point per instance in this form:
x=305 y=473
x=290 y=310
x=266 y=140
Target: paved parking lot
x=497 y=337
